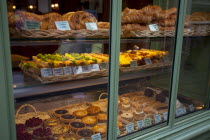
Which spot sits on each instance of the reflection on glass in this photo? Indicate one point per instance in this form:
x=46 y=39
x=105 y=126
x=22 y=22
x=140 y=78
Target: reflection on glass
x=194 y=75
x=144 y=100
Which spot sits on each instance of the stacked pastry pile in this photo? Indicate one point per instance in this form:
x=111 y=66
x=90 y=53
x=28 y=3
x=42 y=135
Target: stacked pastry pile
x=76 y=20
x=133 y=19
x=74 y=59
x=199 y=16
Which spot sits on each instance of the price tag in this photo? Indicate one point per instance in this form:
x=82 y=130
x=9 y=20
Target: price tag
x=118 y=132
x=183 y=110
x=153 y=27
x=62 y=25
x=157 y=119
x=31 y=25
x=140 y=124
x=95 y=67
x=103 y=66
x=147 y=122
x=77 y=70
x=91 y=26
x=81 y=139
x=165 y=116
x=165 y=58
x=191 y=107
x=57 y=71
x=46 y=72
x=133 y=63
x=96 y=136
x=67 y=71
x=86 y=69
x=129 y=128
x=148 y=61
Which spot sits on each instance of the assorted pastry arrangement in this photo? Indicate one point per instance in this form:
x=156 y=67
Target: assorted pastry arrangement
x=71 y=64
x=132 y=20
x=83 y=120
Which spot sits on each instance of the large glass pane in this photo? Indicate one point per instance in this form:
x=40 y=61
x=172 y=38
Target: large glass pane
x=146 y=57
x=60 y=53
x=194 y=72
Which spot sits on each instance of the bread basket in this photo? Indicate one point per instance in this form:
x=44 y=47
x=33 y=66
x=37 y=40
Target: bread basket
x=21 y=118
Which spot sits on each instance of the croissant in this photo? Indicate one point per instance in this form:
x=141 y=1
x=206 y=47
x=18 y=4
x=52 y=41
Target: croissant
x=137 y=18
x=18 y=19
x=167 y=22
x=198 y=18
x=200 y=14
x=103 y=25
x=51 y=15
x=151 y=10
x=166 y=14
x=134 y=27
x=173 y=17
x=128 y=11
x=79 y=18
x=51 y=22
x=67 y=17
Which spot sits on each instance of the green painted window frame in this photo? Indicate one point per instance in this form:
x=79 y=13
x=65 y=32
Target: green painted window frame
x=7 y=120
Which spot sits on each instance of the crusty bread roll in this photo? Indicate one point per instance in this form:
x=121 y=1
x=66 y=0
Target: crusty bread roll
x=134 y=27
x=79 y=18
x=103 y=25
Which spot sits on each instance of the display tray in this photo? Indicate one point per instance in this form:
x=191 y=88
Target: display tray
x=93 y=74
x=157 y=114
x=195 y=29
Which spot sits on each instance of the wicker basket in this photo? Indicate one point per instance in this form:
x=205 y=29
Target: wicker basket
x=200 y=28
x=145 y=67
x=21 y=118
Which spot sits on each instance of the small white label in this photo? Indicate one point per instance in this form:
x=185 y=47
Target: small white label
x=180 y=111
x=118 y=132
x=91 y=26
x=96 y=136
x=103 y=66
x=157 y=119
x=86 y=69
x=148 y=61
x=57 y=71
x=191 y=107
x=46 y=72
x=129 y=128
x=165 y=58
x=133 y=64
x=147 y=122
x=153 y=27
x=140 y=124
x=81 y=139
x=77 y=70
x=95 y=67
x=62 y=25
x=67 y=71
x=165 y=116
x=31 y=25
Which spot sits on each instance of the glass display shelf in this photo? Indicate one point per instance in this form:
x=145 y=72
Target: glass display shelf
x=26 y=86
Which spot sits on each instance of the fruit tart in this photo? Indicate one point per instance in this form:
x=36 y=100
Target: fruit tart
x=33 y=123
x=42 y=133
x=20 y=128
x=102 y=117
x=67 y=118
x=93 y=110
x=80 y=113
x=90 y=120
x=85 y=133
x=60 y=129
x=24 y=136
x=100 y=129
x=51 y=122
x=75 y=126
x=67 y=137
x=58 y=113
